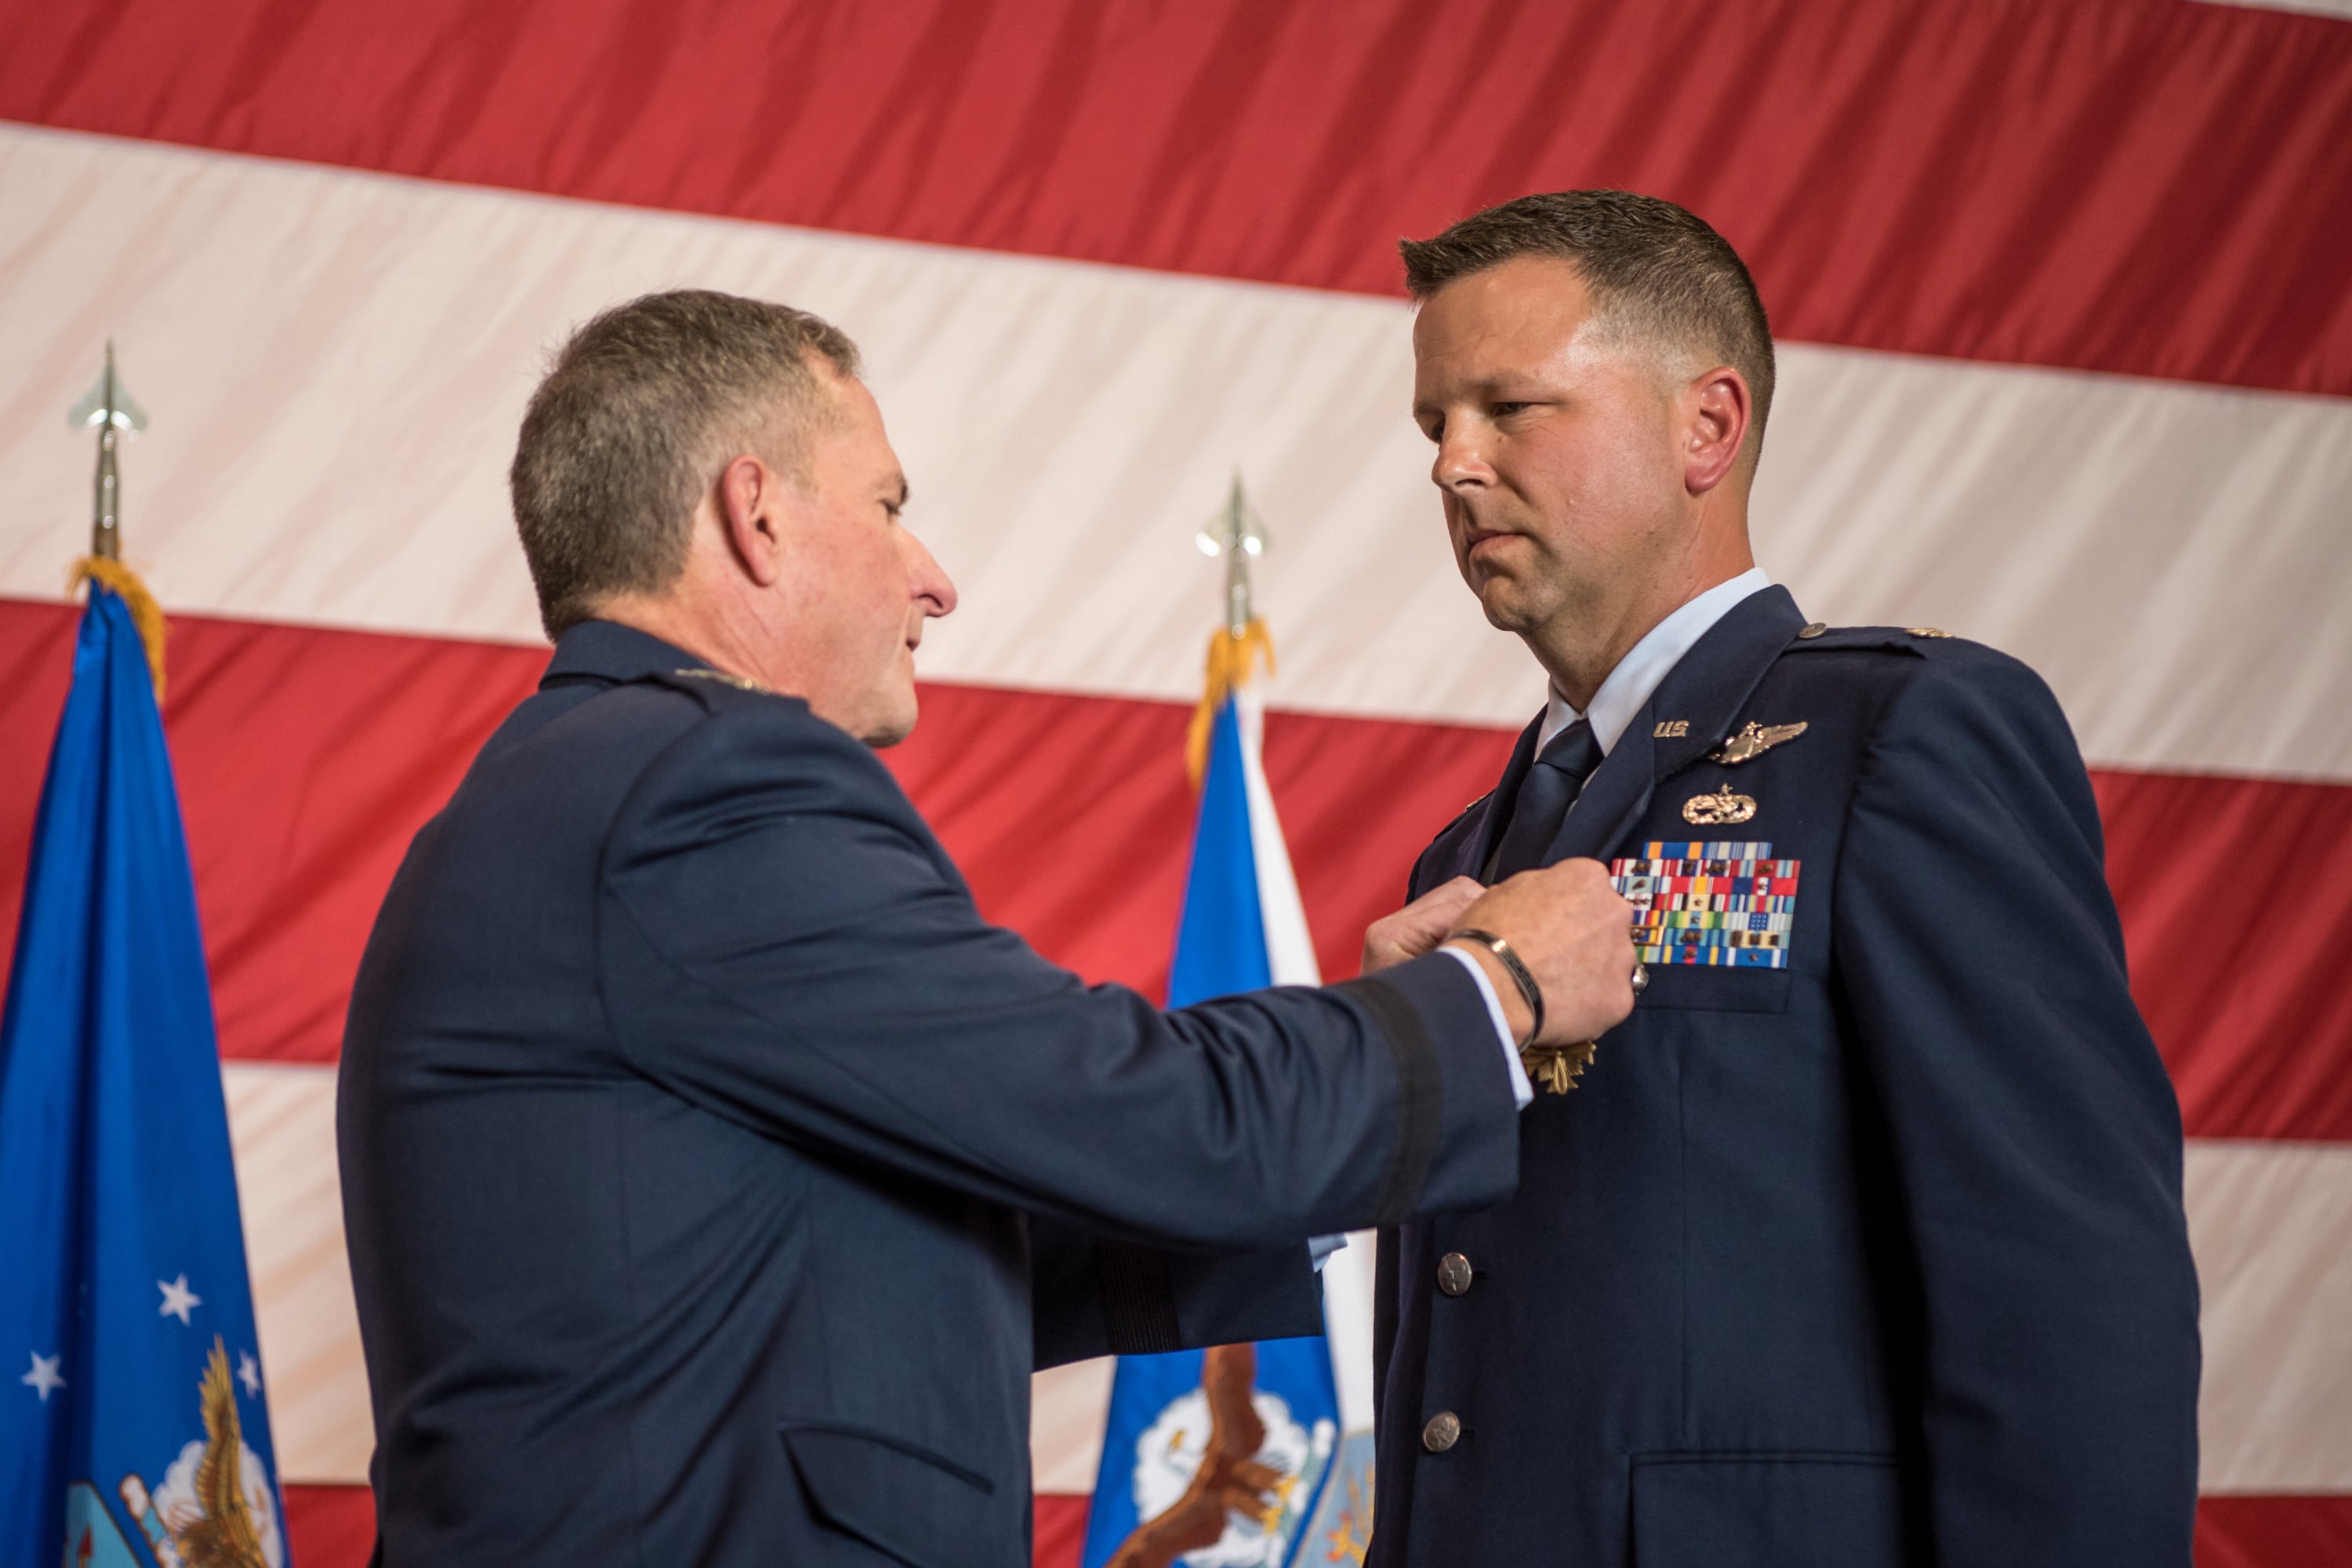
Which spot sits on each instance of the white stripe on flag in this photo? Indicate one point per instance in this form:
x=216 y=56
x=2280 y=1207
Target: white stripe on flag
x=281 y=1122
x=2272 y=1225
x=1289 y=947
x=336 y=362
x=1348 y=1275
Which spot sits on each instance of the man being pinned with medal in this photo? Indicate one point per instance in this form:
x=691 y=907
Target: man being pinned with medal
x=1861 y=1242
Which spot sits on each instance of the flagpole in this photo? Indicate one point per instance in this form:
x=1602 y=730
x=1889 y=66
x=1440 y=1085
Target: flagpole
x=1234 y=648
x=108 y=405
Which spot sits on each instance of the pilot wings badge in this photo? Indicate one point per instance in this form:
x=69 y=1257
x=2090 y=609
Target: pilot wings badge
x=1753 y=742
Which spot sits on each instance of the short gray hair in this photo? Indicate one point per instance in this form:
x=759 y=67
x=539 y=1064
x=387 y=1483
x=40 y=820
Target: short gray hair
x=1656 y=271
x=632 y=424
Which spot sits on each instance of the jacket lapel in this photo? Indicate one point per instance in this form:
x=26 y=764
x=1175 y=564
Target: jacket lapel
x=1612 y=800
x=1477 y=846
x=1699 y=696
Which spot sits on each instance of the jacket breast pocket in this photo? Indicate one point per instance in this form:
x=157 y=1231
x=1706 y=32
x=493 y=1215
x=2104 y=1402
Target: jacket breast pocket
x=1825 y=1511
x=921 y=1507
x=1715 y=990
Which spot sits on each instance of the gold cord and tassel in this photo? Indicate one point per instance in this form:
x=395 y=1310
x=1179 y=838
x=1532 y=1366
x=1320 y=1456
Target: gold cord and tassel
x=145 y=612
x=1232 y=657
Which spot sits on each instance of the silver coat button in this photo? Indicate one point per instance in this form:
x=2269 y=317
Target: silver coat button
x=1445 y=1430
x=1453 y=1274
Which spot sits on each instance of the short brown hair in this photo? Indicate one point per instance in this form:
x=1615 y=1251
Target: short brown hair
x=1657 y=272
x=631 y=424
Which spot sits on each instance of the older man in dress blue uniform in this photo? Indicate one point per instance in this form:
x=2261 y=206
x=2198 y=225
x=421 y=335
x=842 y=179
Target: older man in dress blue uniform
x=1861 y=1242
x=714 y=1174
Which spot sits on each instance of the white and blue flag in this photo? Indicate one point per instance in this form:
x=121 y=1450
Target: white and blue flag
x=1222 y=1458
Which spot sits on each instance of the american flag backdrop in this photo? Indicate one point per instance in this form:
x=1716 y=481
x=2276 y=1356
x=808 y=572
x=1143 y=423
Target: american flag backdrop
x=2064 y=295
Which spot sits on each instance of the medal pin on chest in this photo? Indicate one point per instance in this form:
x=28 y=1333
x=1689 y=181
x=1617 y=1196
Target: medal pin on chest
x=1727 y=806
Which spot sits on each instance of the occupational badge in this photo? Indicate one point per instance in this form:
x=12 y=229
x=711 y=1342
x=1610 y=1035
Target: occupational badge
x=1750 y=743
x=1721 y=809
x=1721 y=904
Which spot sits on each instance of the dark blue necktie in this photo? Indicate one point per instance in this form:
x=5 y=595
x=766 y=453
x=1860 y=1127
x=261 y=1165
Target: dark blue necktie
x=1551 y=786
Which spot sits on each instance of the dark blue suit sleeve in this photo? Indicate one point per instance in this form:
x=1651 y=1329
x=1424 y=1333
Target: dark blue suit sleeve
x=1092 y=1297
x=783 y=944
x=2035 y=1134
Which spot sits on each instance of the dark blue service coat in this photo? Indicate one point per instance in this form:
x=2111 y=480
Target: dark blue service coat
x=715 y=1176
x=1875 y=1259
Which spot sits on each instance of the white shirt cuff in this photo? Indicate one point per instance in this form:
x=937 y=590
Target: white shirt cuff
x=1319 y=1248
x=1521 y=1090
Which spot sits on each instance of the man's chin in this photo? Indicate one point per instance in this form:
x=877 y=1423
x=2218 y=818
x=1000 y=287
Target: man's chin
x=1507 y=606
x=892 y=726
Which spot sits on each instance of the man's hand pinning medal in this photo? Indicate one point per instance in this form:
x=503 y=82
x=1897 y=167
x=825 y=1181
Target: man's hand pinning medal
x=1556 y=944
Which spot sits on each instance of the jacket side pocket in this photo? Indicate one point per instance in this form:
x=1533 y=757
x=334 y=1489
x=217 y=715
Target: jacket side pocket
x=920 y=1507
x=1825 y=1511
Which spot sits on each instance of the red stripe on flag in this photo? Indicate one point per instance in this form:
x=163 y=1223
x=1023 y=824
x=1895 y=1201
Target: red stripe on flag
x=2273 y=1532
x=308 y=758
x=2106 y=184
x=329 y=1527
x=305 y=759
x=2237 y=902
x=1061 y=1531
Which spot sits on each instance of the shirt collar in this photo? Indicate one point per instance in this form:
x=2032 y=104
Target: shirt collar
x=607 y=650
x=1651 y=661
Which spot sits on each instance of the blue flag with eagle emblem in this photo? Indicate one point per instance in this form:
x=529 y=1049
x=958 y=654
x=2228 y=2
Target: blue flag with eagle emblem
x=132 y=1426
x=1217 y=1458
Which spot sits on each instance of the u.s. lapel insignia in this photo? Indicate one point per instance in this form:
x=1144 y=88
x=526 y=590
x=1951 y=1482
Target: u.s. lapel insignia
x=1753 y=742
x=1719 y=809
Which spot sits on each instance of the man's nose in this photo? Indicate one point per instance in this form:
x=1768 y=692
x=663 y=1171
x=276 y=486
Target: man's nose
x=931 y=582
x=1462 y=460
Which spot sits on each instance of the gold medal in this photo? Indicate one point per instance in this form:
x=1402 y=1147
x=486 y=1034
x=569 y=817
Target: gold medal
x=1557 y=1068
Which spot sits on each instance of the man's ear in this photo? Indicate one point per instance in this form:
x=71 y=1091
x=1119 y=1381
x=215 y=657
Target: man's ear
x=750 y=503
x=1714 y=428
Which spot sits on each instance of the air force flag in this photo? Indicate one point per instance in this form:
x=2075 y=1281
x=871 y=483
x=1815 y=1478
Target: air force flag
x=132 y=1427
x=1217 y=1460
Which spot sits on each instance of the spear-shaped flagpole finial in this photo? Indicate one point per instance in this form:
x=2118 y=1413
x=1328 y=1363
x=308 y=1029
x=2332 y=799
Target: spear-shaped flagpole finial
x=1236 y=648
x=108 y=405
x=1237 y=535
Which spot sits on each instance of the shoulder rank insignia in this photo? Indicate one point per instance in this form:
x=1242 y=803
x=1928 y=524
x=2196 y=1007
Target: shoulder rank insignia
x=1715 y=810
x=721 y=676
x=1753 y=742
x=1927 y=631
